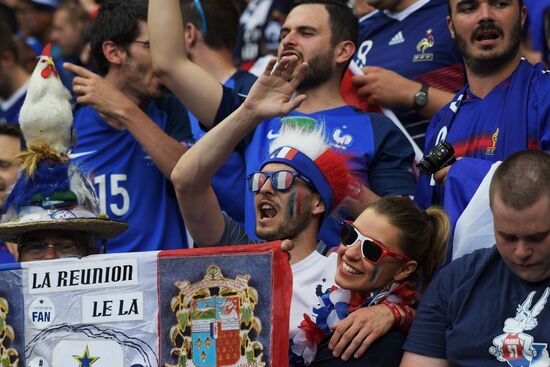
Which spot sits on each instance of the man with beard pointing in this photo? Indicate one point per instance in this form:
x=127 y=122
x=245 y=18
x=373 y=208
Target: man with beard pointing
x=504 y=108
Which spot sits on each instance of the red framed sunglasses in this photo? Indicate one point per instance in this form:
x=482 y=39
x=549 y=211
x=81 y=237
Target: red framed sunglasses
x=371 y=250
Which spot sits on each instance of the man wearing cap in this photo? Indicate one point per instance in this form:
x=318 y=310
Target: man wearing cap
x=295 y=189
x=54 y=213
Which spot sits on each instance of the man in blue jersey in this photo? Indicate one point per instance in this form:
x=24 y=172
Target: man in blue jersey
x=300 y=183
x=501 y=294
x=324 y=34
x=13 y=78
x=504 y=108
x=409 y=60
x=210 y=30
x=130 y=135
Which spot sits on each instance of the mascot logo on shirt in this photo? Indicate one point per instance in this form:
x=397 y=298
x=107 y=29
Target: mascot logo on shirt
x=424 y=45
x=8 y=356
x=517 y=348
x=216 y=323
x=491 y=150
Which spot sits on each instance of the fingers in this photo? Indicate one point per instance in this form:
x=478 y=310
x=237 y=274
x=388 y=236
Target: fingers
x=293 y=104
x=349 y=340
x=441 y=175
x=299 y=75
x=78 y=70
x=339 y=330
x=269 y=67
x=364 y=344
x=287 y=245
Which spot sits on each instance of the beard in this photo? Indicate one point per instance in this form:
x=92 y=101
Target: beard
x=291 y=225
x=138 y=78
x=319 y=71
x=490 y=62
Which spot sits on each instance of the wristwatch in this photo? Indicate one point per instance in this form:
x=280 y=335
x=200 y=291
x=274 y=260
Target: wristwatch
x=421 y=97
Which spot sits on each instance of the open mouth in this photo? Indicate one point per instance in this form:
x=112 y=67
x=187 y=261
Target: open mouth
x=350 y=269
x=266 y=210
x=487 y=35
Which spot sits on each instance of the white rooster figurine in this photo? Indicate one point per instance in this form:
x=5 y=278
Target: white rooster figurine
x=46 y=117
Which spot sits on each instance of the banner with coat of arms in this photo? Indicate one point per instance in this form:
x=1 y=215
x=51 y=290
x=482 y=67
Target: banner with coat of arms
x=199 y=307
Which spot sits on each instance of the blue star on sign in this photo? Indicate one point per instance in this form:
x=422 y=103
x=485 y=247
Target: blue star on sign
x=85 y=360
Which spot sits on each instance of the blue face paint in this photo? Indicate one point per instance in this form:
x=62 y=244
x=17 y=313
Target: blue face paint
x=291 y=204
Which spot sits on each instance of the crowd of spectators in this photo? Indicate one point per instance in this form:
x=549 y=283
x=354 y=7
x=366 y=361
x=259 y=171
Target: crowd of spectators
x=190 y=149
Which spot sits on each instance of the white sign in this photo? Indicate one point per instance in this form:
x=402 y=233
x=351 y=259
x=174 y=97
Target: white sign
x=112 y=307
x=67 y=277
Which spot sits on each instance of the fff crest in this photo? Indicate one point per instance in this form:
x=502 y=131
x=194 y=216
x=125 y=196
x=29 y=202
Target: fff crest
x=216 y=325
x=8 y=356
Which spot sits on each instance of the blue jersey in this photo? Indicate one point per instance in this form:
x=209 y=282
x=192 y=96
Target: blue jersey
x=9 y=109
x=416 y=44
x=229 y=183
x=129 y=185
x=478 y=295
x=382 y=155
x=514 y=116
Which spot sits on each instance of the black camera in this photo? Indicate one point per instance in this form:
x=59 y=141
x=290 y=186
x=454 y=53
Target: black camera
x=441 y=156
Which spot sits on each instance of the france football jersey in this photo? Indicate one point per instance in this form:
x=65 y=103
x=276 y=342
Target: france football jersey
x=129 y=185
x=416 y=44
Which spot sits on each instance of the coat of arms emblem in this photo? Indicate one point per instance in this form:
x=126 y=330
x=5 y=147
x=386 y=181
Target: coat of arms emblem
x=216 y=325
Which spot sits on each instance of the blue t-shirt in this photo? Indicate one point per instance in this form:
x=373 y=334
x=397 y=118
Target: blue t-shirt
x=129 y=185
x=477 y=310
x=383 y=157
x=514 y=116
x=229 y=183
x=416 y=44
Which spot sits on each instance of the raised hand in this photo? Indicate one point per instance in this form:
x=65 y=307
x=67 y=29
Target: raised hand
x=271 y=95
x=96 y=92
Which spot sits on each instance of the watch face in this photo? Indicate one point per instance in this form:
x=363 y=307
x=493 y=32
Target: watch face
x=420 y=99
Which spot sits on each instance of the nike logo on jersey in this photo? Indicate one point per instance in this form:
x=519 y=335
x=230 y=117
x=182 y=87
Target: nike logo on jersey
x=397 y=39
x=81 y=154
x=271 y=134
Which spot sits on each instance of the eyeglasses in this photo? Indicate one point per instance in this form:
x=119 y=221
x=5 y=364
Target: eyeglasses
x=37 y=250
x=280 y=180
x=371 y=250
x=145 y=44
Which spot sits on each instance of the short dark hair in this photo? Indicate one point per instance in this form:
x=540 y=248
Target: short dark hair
x=10 y=130
x=221 y=18
x=7 y=41
x=520 y=2
x=522 y=179
x=344 y=25
x=116 y=21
